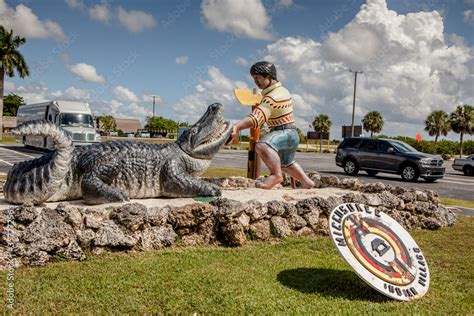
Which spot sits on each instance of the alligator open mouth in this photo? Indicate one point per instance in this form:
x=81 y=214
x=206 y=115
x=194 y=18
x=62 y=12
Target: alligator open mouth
x=218 y=135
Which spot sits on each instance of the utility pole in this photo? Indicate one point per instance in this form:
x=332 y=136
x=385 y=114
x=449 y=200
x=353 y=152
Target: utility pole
x=154 y=96
x=354 y=100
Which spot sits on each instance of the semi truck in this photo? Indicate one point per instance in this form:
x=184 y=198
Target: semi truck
x=73 y=116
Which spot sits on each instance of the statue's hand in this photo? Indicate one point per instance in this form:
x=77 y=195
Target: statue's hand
x=232 y=135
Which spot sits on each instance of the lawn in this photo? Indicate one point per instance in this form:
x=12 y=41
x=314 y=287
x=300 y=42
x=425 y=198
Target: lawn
x=297 y=275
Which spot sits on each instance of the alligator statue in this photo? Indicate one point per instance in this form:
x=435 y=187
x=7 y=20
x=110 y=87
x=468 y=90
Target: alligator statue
x=117 y=171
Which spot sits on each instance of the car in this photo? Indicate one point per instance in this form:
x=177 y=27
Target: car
x=375 y=155
x=466 y=165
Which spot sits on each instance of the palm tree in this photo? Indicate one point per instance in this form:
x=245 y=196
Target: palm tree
x=321 y=124
x=10 y=60
x=437 y=123
x=373 y=122
x=462 y=122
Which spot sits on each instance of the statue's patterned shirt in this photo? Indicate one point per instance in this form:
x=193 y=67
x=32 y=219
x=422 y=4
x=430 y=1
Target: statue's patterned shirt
x=275 y=108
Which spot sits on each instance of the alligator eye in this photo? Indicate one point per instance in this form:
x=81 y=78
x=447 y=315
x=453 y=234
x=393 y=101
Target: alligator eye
x=194 y=131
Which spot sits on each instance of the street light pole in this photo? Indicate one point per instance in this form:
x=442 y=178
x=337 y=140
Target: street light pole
x=354 y=100
x=154 y=96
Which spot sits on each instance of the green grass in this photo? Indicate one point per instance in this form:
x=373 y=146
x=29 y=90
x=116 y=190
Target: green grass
x=456 y=202
x=295 y=276
x=224 y=172
x=8 y=139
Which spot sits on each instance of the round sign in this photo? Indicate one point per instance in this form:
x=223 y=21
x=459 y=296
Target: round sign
x=380 y=251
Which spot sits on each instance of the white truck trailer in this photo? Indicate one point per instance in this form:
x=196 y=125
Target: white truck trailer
x=73 y=116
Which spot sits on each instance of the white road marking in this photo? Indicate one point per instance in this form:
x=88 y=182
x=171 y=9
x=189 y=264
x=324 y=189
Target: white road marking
x=15 y=152
x=6 y=162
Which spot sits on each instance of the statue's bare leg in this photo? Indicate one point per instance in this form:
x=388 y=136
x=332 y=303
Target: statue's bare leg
x=297 y=172
x=272 y=161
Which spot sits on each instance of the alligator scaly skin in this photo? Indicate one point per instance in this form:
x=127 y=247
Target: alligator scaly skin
x=118 y=170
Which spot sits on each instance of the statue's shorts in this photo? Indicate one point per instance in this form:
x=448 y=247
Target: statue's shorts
x=284 y=142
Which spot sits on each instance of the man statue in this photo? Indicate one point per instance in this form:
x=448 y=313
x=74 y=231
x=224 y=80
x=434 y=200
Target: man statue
x=277 y=148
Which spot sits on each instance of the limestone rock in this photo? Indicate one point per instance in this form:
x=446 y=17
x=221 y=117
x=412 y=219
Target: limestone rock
x=232 y=233
x=157 y=237
x=351 y=184
x=330 y=181
x=312 y=219
x=190 y=215
x=110 y=235
x=275 y=208
x=74 y=218
x=48 y=232
x=72 y=251
x=256 y=210
x=421 y=196
x=24 y=214
x=323 y=226
x=238 y=182
x=132 y=216
x=306 y=206
x=304 y=232
x=260 y=230
x=280 y=227
x=316 y=177
x=93 y=218
x=158 y=216
x=296 y=222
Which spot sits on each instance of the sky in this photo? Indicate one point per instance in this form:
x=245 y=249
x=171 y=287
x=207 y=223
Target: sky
x=416 y=56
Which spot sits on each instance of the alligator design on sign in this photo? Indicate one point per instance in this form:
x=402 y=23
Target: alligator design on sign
x=118 y=170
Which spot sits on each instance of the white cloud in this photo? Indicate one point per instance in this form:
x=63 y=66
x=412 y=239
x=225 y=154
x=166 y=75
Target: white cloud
x=76 y=4
x=135 y=21
x=124 y=94
x=148 y=98
x=8 y=87
x=25 y=23
x=76 y=93
x=409 y=70
x=242 y=61
x=182 y=59
x=100 y=12
x=218 y=88
x=86 y=73
x=285 y=3
x=410 y=66
x=468 y=17
x=243 y=18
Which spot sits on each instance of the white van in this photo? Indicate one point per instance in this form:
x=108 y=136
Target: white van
x=73 y=116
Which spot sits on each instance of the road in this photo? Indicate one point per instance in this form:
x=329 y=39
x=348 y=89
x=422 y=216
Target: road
x=453 y=185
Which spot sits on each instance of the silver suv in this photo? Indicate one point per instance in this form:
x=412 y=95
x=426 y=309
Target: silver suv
x=386 y=155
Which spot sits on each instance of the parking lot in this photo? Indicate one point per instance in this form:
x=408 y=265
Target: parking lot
x=453 y=185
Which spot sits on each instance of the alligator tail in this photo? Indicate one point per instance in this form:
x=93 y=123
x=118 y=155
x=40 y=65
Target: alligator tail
x=36 y=180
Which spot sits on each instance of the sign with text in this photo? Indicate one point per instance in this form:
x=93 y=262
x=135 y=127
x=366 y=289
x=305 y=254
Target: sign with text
x=380 y=251
x=346 y=131
x=316 y=135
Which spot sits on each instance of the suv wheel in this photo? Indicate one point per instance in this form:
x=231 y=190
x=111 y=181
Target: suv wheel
x=410 y=173
x=467 y=171
x=350 y=167
x=371 y=173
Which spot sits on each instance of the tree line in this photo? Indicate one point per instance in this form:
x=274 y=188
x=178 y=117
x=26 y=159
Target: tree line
x=460 y=121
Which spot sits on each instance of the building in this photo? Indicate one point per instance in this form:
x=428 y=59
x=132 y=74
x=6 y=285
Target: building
x=9 y=122
x=128 y=125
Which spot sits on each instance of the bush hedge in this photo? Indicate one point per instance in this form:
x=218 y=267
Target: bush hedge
x=442 y=147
